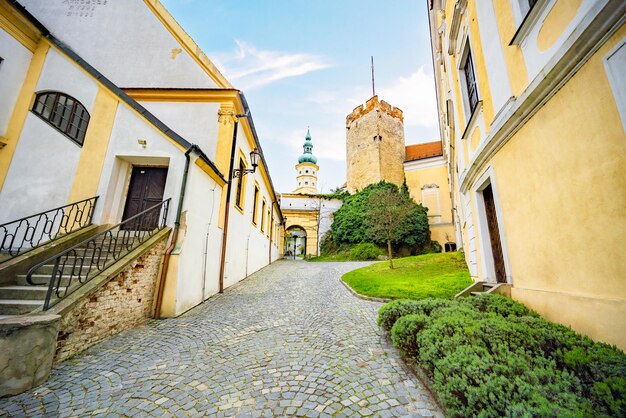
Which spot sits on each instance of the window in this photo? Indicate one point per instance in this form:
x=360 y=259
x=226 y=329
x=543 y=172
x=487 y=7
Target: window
x=306 y=183
x=268 y=221
x=306 y=171
x=239 y=196
x=63 y=112
x=255 y=203
x=263 y=217
x=470 y=81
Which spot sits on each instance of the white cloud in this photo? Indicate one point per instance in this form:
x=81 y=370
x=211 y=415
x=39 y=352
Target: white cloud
x=248 y=67
x=415 y=95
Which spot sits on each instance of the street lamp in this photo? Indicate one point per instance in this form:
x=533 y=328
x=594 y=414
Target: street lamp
x=254 y=161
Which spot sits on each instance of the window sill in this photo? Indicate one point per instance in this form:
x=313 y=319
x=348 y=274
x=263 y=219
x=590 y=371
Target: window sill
x=529 y=22
x=472 y=119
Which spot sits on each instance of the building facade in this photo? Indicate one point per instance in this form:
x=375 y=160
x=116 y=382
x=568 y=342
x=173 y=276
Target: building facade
x=115 y=100
x=308 y=215
x=531 y=97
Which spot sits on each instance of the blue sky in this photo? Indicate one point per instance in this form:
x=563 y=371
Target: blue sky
x=307 y=64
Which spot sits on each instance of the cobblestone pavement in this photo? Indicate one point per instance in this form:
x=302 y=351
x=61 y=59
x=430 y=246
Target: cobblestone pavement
x=288 y=341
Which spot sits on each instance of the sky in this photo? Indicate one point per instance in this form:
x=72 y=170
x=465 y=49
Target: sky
x=306 y=64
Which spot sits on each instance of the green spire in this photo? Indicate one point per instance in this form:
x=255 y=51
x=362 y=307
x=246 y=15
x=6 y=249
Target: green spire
x=307 y=156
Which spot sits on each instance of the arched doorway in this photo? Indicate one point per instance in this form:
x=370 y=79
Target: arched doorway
x=295 y=242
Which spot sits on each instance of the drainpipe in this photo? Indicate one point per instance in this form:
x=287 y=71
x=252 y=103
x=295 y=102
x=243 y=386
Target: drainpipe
x=168 y=251
x=228 y=190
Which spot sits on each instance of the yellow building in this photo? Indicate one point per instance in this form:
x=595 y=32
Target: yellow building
x=308 y=215
x=532 y=103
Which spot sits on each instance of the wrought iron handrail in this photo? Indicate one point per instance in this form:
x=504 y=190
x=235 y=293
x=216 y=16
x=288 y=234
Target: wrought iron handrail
x=22 y=235
x=80 y=263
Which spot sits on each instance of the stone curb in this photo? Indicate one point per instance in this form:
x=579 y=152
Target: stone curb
x=360 y=296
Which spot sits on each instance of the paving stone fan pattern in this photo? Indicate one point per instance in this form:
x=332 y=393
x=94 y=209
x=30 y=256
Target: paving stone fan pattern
x=288 y=341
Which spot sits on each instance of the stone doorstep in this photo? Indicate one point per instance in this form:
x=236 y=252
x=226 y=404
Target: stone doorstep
x=91 y=287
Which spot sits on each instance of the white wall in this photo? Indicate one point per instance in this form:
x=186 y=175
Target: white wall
x=12 y=74
x=124 y=40
x=42 y=170
x=196 y=122
x=248 y=250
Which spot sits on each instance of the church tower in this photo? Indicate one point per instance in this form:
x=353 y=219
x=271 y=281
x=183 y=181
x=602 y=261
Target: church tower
x=375 y=149
x=306 y=169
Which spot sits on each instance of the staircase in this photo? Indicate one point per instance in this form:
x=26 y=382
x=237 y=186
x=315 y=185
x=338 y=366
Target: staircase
x=18 y=297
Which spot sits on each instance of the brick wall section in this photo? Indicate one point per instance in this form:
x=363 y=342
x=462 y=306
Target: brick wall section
x=123 y=302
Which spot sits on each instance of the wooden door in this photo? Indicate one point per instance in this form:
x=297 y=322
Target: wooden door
x=494 y=235
x=147 y=185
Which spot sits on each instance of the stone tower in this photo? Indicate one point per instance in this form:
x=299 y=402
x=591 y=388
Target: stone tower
x=306 y=169
x=375 y=148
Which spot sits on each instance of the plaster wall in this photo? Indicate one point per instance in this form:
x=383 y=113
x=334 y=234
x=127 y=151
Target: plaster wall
x=199 y=241
x=562 y=189
x=248 y=249
x=195 y=121
x=426 y=173
x=124 y=40
x=42 y=170
x=12 y=74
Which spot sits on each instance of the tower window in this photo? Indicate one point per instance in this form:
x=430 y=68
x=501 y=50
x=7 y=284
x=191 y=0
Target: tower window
x=306 y=171
x=306 y=183
x=63 y=112
x=299 y=183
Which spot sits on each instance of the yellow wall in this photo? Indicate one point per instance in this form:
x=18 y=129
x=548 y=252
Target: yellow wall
x=443 y=230
x=562 y=187
x=308 y=221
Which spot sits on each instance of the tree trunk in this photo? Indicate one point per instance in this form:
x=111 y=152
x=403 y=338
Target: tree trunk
x=389 y=252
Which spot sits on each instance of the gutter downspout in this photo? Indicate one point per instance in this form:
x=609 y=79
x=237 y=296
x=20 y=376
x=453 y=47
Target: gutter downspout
x=168 y=251
x=227 y=210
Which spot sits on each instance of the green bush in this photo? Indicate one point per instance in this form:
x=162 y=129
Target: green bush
x=389 y=313
x=405 y=330
x=490 y=356
x=364 y=251
x=498 y=304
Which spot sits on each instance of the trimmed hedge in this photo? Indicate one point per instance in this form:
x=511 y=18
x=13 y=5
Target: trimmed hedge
x=489 y=356
x=364 y=251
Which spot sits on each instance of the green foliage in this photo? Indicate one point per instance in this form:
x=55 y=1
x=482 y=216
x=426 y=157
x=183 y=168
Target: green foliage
x=389 y=313
x=489 y=356
x=404 y=331
x=364 y=251
x=349 y=221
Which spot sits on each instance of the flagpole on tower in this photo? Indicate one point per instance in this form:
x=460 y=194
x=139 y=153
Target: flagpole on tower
x=373 y=86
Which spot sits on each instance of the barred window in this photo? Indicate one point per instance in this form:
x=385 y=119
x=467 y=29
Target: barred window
x=63 y=112
x=470 y=80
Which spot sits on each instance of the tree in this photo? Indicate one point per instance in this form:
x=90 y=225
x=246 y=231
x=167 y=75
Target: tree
x=349 y=227
x=387 y=212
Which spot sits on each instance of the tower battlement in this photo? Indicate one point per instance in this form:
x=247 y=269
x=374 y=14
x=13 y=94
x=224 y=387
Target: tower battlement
x=370 y=105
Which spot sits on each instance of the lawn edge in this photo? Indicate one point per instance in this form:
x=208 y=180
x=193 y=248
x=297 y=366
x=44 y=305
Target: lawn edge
x=364 y=297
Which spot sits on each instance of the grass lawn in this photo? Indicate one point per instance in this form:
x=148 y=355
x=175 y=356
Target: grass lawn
x=344 y=256
x=440 y=275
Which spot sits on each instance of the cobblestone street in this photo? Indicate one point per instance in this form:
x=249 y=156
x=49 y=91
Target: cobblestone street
x=288 y=341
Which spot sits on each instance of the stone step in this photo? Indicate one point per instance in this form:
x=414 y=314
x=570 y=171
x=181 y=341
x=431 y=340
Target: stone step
x=18 y=306
x=23 y=292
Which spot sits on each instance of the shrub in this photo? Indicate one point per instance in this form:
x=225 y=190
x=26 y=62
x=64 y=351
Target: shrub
x=388 y=314
x=498 y=304
x=405 y=330
x=490 y=356
x=364 y=251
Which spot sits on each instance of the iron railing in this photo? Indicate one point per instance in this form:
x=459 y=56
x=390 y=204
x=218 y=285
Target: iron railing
x=22 y=235
x=77 y=265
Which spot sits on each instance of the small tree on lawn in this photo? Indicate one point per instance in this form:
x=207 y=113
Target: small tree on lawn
x=387 y=213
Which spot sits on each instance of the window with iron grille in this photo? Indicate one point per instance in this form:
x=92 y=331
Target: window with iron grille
x=470 y=82
x=63 y=112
